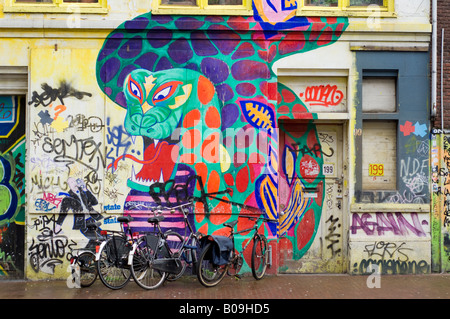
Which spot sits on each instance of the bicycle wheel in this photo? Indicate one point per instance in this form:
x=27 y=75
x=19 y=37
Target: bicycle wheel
x=175 y=243
x=208 y=273
x=112 y=265
x=141 y=268
x=88 y=268
x=259 y=256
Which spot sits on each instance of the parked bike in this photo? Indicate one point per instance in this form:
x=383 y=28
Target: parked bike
x=82 y=261
x=159 y=255
x=218 y=256
x=112 y=257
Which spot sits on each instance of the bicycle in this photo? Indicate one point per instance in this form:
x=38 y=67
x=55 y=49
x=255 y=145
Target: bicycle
x=210 y=273
x=112 y=256
x=158 y=256
x=83 y=264
x=186 y=250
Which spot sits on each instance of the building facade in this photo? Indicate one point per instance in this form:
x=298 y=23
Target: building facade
x=313 y=113
x=439 y=142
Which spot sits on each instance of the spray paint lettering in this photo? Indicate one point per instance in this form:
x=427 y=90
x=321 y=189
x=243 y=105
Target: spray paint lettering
x=379 y=224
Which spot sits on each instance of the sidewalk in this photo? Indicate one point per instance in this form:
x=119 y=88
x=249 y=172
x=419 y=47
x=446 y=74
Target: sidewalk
x=432 y=286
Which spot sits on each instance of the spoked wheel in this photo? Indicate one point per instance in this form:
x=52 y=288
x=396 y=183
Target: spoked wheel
x=175 y=244
x=142 y=268
x=112 y=264
x=259 y=256
x=208 y=273
x=88 y=268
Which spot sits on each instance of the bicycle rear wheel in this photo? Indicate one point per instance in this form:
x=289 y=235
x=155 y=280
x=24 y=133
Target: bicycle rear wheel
x=175 y=243
x=112 y=265
x=208 y=273
x=259 y=256
x=142 y=266
x=88 y=268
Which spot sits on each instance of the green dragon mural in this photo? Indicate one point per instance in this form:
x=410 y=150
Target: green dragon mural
x=201 y=93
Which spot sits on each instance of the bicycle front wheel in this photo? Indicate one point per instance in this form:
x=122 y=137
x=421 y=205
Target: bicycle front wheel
x=88 y=268
x=208 y=273
x=112 y=266
x=142 y=267
x=259 y=256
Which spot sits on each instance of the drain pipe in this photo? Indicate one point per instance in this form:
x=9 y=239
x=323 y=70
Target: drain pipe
x=442 y=80
x=434 y=60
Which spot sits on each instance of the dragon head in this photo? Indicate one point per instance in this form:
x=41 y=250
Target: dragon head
x=155 y=101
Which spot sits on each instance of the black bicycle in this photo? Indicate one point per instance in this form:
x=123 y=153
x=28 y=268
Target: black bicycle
x=82 y=260
x=112 y=257
x=211 y=269
x=159 y=255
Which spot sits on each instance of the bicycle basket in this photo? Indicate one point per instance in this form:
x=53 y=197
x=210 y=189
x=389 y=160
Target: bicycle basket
x=122 y=248
x=222 y=248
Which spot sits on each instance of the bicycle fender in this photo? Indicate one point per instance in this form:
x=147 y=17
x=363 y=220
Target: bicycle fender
x=131 y=253
x=97 y=255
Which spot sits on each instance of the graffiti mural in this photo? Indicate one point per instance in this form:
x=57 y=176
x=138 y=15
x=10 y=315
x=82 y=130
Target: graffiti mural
x=440 y=157
x=201 y=109
x=66 y=162
x=167 y=108
x=12 y=186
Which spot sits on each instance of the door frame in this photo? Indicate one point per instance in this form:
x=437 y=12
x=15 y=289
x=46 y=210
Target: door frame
x=346 y=185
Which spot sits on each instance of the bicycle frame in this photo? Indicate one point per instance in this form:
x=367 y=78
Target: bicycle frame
x=120 y=233
x=185 y=246
x=191 y=236
x=254 y=233
x=98 y=240
x=254 y=228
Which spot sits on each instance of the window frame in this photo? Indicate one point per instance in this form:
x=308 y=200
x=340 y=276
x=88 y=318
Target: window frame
x=381 y=116
x=57 y=6
x=202 y=8
x=344 y=9
x=380 y=187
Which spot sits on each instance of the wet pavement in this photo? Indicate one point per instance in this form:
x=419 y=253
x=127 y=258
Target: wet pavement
x=289 y=287
x=271 y=297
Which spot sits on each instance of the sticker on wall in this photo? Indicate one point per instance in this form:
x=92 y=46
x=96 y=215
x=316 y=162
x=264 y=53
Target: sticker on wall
x=416 y=129
x=376 y=170
x=328 y=169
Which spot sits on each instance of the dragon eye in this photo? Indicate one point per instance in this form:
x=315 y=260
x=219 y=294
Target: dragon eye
x=135 y=89
x=165 y=91
x=162 y=94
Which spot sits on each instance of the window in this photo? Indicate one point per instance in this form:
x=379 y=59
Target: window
x=379 y=155
x=345 y=3
x=51 y=1
x=347 y=7
x=222 y=7
x=56 y=6
x=379 y=95
x=302 y=7
x=354 y=3
x=321 y=3
x=379 y=137
x=209 y=2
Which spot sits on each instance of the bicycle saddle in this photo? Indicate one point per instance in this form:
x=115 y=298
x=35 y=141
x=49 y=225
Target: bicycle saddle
x=155 y=219
x=230 y=224
x=124 y=219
